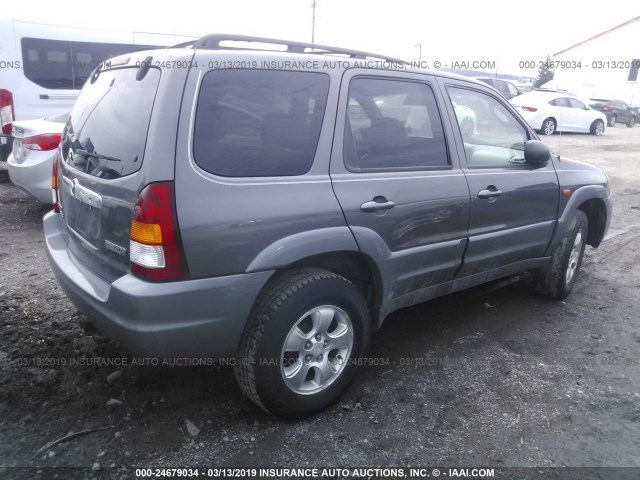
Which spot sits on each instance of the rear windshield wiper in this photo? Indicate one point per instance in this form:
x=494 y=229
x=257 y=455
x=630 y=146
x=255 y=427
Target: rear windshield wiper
x=99 y=156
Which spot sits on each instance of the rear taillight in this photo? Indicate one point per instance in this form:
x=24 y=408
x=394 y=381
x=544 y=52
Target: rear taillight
x=529 y=109
x=606 y=108
x=44 y=142
x=155 y=246
x=7 y=113
x=54 y=185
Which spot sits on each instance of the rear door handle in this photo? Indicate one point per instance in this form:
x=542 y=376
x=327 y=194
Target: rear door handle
x=490 y=192
x=378 y=203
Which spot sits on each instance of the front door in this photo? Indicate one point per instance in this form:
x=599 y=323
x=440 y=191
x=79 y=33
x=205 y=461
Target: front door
x=513 y=204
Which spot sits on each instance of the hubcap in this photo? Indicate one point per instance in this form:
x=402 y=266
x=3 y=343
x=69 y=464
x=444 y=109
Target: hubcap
x=599 y=128
x=574 y=258
x=316 y=350
x=549 y=128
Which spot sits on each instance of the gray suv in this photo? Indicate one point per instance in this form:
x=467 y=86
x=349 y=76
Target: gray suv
x=270 y=208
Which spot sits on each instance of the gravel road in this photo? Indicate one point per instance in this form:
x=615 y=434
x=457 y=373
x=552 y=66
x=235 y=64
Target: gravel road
x=494 y=376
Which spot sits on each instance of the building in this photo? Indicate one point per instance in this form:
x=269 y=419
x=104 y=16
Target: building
x=606 y=65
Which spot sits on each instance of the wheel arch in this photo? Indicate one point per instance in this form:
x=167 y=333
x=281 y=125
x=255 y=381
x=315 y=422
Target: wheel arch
x=597 y=216
x=593 y=200
x=333 y=249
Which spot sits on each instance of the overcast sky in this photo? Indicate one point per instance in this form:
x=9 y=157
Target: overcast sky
x=448 y=30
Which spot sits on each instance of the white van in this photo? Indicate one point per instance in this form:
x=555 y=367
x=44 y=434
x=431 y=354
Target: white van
x=43 y=66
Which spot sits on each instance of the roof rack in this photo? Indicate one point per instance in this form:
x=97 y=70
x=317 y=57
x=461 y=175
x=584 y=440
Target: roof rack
x=213 y=42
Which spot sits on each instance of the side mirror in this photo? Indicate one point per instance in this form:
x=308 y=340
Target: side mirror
x=536 y=152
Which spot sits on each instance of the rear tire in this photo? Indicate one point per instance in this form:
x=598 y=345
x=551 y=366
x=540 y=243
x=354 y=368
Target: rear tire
x=597 y=128
x=548 y=126
x=559 y=279
x=612 y=121
x=631 y=122
x=300 y=347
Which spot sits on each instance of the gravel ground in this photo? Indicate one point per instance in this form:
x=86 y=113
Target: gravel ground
x=494 y=376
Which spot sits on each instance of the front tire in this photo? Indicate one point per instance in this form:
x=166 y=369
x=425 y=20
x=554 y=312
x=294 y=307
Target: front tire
x=299 y=349
x=597 y=128
x=559 y=279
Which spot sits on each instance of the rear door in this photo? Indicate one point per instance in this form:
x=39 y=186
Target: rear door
x=513 y=204
x=397 y=180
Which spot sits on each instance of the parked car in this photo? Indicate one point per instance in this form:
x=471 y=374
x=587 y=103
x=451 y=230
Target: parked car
x=34 y=146
x=505 y=87
x=550 y=111
x=616 y=111
x=273 y=218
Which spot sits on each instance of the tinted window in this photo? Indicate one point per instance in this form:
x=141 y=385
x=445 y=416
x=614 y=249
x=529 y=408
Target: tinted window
x=492 y=136
x=58 y=64
x=560 y=102
x=393 y=125
x=110 y=120
x=574 y=103
x=255 y=123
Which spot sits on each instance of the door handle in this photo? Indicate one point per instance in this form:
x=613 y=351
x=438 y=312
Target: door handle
x=378 y=203
x=490 y=192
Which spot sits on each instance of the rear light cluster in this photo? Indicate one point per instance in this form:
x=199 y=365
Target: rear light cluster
x=529 y=109
x=55 y=194
x=22 y=146
x=155 y=245
x=7 y=113
x=606 y=108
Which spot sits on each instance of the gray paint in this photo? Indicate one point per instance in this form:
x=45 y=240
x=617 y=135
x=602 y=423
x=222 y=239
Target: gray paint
x=439 y=237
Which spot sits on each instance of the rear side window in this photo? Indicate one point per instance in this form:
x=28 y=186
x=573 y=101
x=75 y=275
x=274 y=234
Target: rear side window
x=393 y=125
x=59 y=64
x=259 y=123
x=107 y=131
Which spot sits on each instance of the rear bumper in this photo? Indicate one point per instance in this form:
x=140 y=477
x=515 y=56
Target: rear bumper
x=33 y=175
x=201 y=318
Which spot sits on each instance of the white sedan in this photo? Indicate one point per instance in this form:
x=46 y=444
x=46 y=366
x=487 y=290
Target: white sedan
x=31 y=161
x=550 y=112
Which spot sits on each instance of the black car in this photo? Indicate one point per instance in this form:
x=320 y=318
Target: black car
x=616 y=111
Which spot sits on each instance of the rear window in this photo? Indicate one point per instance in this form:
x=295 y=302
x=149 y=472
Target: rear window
x=60 y=64
x=259 y=123
x=109 y=123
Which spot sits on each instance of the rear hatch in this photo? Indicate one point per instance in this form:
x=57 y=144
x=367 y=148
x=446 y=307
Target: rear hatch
x=103 y=167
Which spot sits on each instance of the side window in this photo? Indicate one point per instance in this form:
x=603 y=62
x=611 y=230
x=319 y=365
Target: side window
x=560 y=102
x=58 y=64
x=393 y=125
x=575 y=103
x=259 y=123
x=492 y=136
x=47 y=63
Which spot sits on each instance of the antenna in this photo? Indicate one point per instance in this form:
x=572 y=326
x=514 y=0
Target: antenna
x=313 y=22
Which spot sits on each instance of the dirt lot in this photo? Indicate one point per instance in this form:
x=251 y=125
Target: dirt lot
x=496 y=376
